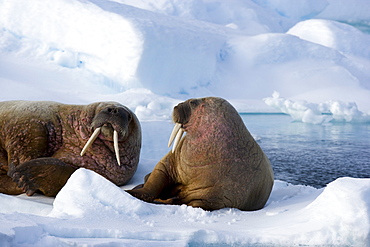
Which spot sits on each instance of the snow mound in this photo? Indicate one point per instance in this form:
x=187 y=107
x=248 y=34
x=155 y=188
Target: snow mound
x=344 y=206
x=339 y=216
x=71 y=36
x=84 y=51
x=244 y=16
x=342 y=37
x=91 y=210
x=294 y=214
x=340 y=10
x=89 y=193
x=293 y=67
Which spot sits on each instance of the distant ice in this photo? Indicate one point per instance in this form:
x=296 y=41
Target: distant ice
x=329 y=111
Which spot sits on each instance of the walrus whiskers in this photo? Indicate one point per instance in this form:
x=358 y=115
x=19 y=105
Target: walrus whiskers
x=176 y=129
x=90 y=141
x=177 y=139
x=93 y=138
x=116 y=149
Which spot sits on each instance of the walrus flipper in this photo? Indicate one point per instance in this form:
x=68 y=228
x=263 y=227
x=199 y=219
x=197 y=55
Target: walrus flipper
x=47 y=175
x=217 y=164
x=154 y=184
x=7 y=186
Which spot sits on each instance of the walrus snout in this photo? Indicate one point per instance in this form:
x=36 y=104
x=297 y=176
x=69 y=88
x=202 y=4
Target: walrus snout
x=110 y=119
x=112 y=122
x=182 y=112
x=181 y=115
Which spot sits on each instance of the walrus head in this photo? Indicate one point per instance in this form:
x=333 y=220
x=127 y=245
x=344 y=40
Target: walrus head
x=181 y=115
x=111 y=124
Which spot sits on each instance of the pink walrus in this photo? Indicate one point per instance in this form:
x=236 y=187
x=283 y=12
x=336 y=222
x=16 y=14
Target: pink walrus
x=217 y=164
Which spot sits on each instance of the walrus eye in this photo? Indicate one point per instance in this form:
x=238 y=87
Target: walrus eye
x=194 y=103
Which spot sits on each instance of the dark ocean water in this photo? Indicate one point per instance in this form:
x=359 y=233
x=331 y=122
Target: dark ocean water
x=309 y=154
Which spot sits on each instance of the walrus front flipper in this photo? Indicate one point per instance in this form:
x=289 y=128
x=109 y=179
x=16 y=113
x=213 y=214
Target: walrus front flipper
x=7 y=186
x=155 y=183
x=47 y=175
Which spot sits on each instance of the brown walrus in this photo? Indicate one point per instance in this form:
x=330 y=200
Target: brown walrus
x=42 y=144
x=217 y=164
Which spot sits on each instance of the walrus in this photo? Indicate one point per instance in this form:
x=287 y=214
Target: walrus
x=217 y=164
x=42 y=143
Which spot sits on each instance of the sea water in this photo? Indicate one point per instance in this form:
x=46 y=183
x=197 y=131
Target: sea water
x=300 y=153
x=310 y=154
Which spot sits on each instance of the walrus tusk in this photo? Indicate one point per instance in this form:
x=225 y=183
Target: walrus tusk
x=177 y=139
x=176 y=129
x=91 y=140
x=116 y=149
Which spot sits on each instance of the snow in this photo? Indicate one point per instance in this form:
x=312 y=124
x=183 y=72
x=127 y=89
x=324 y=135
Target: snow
x=307 y=58
x=91 y=210
x=185 y=49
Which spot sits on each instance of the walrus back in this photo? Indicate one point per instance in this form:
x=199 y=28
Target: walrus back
x=20 y=109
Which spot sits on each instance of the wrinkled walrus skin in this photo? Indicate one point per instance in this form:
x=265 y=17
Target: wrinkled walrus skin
x=41 y=142
x=217 y=164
